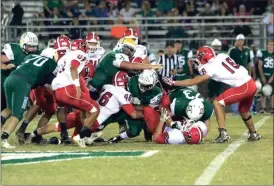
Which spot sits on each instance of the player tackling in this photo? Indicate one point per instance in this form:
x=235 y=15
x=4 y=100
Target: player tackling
x=222 y=68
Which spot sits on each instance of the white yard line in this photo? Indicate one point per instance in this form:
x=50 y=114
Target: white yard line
x=149 y=153
x=216 y=164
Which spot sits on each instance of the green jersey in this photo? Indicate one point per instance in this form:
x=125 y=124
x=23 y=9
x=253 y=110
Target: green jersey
x=179 y=99
x=268 y=62
x=35 y=69
x=15 y=54
x=183 y=57
x=151 y=98
x=240 y=57
x=108 y=66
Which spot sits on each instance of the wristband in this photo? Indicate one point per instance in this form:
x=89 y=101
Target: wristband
x=76 y=82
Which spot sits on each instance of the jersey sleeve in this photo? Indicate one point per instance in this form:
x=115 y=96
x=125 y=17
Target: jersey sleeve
x=207 y=69
x=141 y=51
x=8 y=52
x=124 y=97
x=190 y=55
x=155 y=101
x=152 y=58
x=118 y=59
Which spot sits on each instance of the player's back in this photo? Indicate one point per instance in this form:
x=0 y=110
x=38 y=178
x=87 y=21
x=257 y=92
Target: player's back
x=224 y=69
x=111 y=99
x=35 y=68
x=95 y=57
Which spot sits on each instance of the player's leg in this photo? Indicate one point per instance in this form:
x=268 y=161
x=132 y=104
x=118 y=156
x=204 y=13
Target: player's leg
x=151 y=117
x=272 y=105
x=31 y=113
x=263 y=99
x=20 y=96
x=244 y=107
x=7 y=95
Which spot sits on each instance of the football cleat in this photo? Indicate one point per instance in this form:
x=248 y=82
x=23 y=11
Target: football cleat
x=262 y=111
x=20 y=137
x=223 y=137
x=254 y=136
x=93 y=137
x=80 y=142
x=65 y=137
x=272 y=111
x=115 y=139
x=147 y=134
x=5 y=144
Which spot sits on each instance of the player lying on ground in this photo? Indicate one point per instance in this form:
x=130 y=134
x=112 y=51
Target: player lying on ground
x=33 y=72
x=42 y=97
x=178 y=132
x=223 y=69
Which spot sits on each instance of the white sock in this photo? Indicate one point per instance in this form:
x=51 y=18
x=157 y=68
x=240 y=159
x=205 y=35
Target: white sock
x=123 y=135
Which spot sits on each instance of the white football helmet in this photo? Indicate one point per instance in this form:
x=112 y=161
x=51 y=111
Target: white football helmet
x=29 y=42
x=50 y=53
x=216 y=45
x=267 y=90
x=147 y=80
x=195 y=109
x=258 y=85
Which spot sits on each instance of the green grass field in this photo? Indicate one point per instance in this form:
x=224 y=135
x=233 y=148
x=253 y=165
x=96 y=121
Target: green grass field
x=251 y=163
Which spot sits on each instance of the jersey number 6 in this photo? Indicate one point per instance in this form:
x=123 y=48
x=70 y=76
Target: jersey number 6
x=105 y=98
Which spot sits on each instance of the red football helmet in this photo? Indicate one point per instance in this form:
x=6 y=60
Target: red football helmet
x=62 y=45
x=92 y=41
x=88 y=72
x=136 y=60
x=120 y=79
x=130 y=33
x=78 y=44
x=194 y=135
x=62 y=42
x=204 y=54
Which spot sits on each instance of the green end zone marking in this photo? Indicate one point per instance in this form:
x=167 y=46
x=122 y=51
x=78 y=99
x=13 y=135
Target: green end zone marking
x=9 y=158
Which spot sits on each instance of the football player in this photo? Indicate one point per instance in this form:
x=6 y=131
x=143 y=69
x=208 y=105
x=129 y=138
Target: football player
x=32 y=72
x=70 y=89
x=12 y=56
x=266 y=69
x=178 y=132
x=113 y=61
x=42 y=97
x=141 y=50
x=95 y=52
x=243 y=88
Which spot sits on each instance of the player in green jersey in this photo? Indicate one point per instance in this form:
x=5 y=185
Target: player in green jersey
x=185 y=70
x=266 y=69
x=187 y=103
x=31 y=73
x=12 y=56
x=113 y=61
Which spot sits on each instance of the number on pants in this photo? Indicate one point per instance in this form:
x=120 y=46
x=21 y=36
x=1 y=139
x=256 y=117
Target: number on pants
x=230 y=65
x=269 y=63
x=105 y=98
x=39 y=60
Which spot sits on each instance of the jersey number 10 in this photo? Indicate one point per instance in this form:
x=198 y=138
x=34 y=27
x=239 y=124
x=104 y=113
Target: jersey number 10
x=230 y=65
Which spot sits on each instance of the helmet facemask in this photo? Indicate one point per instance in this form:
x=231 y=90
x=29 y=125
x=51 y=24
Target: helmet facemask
x=128 y=50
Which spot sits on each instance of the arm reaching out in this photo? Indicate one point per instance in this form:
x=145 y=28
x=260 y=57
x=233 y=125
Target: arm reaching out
x=187 y=82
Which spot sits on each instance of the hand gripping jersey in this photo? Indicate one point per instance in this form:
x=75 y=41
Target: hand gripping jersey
x=95 y=57
x=63 y=76
x=223 y=69
x=111 y=100
x=179 y=99
x=149 y=98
